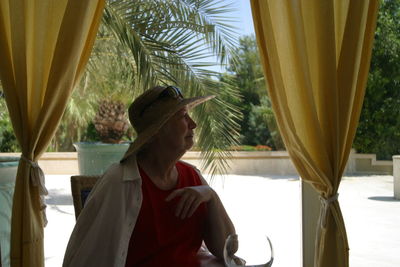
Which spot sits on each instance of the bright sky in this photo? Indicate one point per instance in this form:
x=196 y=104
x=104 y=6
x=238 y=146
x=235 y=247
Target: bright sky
x=245 y=22
x=244 y=16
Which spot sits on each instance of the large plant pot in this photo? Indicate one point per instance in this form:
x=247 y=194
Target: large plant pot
x=95 y=157
x=8 y=173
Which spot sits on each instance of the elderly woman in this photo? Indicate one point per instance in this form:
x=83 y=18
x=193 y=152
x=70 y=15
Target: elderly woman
x=152 y=209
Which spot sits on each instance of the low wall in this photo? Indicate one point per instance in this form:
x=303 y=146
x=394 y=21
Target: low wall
x=251 y=163
x=367 y=164
x=56 y=162
x=240 y=163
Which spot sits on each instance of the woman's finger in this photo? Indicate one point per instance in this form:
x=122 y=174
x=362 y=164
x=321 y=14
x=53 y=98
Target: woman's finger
x=180 y=204
x=174 y=194
x=193 y=207
x=185 y=197
x=186 y=206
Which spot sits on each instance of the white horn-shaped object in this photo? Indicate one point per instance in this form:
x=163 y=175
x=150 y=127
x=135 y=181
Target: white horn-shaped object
x=230 y=248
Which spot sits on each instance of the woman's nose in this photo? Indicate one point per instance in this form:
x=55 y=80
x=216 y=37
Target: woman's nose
x=192 y=123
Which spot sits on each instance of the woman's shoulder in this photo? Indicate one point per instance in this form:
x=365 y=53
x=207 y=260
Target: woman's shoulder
x=187 y=165
x=190 y=170
x=112 y=184
x=112 y=174
x=194 y=170
x=111 y=179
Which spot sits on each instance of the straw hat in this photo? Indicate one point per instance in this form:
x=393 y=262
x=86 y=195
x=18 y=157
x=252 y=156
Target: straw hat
x=151 y=110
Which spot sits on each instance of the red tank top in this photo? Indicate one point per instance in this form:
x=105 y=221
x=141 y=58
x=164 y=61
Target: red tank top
x=159 y=237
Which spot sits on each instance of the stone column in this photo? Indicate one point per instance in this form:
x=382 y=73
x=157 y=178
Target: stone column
x=310 y=208
x=396 y=176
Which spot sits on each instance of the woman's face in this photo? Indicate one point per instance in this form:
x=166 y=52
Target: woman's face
x=178 y=132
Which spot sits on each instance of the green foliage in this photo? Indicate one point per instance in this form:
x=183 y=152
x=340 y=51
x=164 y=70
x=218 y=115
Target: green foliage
x=248 y=70
x=263 y=127
x=90 y=135
x=8 y=141
x=257 y=125
x=250 y=148
x=378 y=129
x=217 y=128
x=108 y=76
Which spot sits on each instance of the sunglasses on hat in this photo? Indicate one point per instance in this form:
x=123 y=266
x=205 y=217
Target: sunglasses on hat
x=169 y=91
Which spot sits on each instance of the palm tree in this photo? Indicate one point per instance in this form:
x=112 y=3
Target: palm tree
x=150 y=42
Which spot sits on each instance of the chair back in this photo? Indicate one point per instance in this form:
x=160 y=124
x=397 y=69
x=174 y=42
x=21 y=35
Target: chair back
x=81 y=185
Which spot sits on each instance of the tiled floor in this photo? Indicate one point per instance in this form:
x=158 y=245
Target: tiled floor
x=271 y=206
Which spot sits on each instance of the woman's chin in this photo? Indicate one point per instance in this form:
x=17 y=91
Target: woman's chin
x=189 y=143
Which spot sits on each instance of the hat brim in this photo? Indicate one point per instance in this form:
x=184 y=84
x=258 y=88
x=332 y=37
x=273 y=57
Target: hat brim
x=152 y=130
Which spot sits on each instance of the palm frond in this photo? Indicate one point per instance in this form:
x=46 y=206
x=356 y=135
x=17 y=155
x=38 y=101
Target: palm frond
x=132 y=40
x=169 y=43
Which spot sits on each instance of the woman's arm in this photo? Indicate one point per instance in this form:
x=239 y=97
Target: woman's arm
x=218 y=225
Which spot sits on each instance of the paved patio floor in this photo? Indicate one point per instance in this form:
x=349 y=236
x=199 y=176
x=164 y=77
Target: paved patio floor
x=270 y=206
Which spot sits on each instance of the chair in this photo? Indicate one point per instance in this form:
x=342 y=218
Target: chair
x=81 y=185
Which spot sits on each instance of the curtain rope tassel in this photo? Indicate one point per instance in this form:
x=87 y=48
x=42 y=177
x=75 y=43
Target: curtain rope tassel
x=325 y=205
x=38 y=180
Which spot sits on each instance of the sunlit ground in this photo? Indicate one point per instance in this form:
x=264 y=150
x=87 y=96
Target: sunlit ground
x=270 y=206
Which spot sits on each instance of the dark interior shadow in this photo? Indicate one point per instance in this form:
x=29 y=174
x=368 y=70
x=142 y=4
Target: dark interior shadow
x=384 y=198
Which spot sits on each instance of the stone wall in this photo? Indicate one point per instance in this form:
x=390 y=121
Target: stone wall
x=240 y=163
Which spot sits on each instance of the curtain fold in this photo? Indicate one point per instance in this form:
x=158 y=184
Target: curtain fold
x=44 y=46
x=316 y=57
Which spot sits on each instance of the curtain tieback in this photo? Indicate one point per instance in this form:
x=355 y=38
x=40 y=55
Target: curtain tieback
x=37 y=178
x=325 y=205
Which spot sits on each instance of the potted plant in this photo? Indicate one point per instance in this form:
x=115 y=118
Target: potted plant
x=111 y=125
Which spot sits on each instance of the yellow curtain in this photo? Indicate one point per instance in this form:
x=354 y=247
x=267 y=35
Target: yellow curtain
x=44 y=46
x=316 y=57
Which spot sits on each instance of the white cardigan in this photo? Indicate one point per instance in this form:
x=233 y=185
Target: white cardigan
x=104 y=227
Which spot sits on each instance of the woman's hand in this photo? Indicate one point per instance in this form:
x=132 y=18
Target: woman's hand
x=190 y=199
